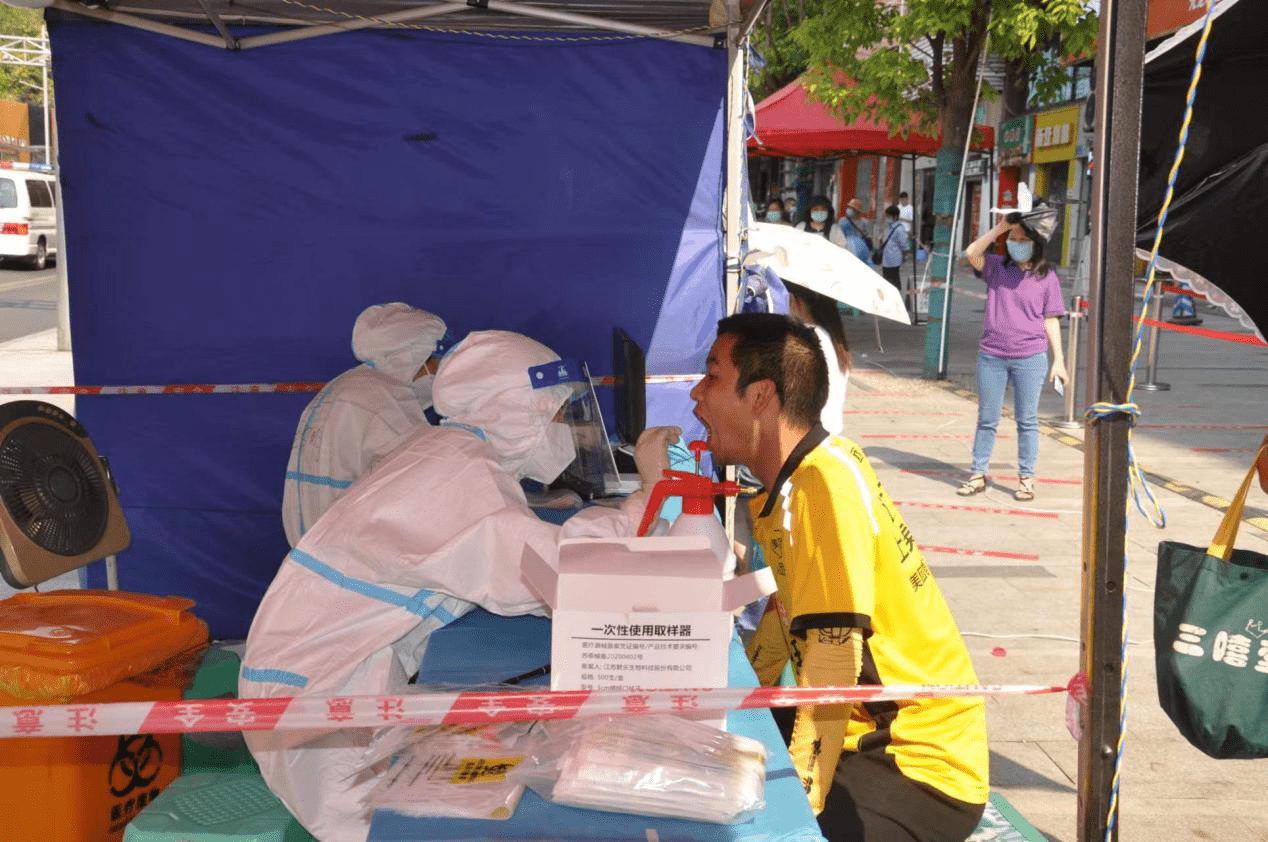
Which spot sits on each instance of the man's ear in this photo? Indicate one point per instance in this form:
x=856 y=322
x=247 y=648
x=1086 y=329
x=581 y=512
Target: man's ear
x=761 y=394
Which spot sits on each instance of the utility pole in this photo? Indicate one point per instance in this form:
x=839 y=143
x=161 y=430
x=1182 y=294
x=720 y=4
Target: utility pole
x=1120 y=58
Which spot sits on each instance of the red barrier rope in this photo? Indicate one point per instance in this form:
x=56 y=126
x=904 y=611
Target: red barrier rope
x=1241 y=338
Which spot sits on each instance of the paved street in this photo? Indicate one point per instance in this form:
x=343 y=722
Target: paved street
x=1011 y=571
x=28 y=301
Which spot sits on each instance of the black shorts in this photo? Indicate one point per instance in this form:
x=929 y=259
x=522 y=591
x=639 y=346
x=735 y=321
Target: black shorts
x=871 y=801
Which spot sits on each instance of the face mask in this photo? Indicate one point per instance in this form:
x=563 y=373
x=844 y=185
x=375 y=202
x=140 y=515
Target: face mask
x=1021 y=250
x=851 y=213
x=773 y=216
x=422 y=389
x=819 y=215
x=553 y=453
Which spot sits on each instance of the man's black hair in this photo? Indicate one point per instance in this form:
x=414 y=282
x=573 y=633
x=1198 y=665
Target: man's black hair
x=771 y=346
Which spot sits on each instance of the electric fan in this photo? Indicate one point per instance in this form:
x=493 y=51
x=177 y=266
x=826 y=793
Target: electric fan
x=59 y=507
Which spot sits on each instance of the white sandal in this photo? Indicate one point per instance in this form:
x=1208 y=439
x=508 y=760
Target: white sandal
x=1025 y=489
x=975 y=484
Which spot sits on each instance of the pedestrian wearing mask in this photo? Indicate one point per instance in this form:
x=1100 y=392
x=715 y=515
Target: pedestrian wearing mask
x=818 y=220
x=852 y=237
x=775 y=212
x=1023 y=306
x=893 y=247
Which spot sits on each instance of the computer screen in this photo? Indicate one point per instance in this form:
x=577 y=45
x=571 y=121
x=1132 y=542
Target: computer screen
x=630 y=386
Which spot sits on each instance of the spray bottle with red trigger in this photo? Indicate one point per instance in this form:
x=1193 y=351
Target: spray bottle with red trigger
x=697 y=492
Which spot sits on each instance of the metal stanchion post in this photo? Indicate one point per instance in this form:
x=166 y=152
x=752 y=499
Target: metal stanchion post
x=1151 y=384
x=1072 y=365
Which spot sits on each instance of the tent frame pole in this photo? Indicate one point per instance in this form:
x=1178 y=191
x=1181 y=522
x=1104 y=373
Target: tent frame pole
x=304 y=33
x=732 y=199
x=1119 y=84
x=227 y=40
x=600 y=23
x=138 y=23
x=231 y=43
x=732 y=212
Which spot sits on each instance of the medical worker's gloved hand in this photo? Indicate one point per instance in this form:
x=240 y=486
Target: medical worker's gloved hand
x=651 y=453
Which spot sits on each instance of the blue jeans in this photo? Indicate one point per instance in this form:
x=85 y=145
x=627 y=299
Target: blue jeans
x=1027 y=375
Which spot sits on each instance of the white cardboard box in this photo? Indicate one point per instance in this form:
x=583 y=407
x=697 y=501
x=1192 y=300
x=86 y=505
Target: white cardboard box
x=640 y=613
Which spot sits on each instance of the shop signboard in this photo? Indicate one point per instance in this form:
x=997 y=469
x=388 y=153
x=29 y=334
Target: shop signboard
x=1056 y=135
x=1014 y=140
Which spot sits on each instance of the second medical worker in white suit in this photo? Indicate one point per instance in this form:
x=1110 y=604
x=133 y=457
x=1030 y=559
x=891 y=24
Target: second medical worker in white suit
x=438 y=528
x=364 y=413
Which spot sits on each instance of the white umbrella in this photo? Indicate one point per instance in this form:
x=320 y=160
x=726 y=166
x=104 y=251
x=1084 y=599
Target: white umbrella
x=812 y=261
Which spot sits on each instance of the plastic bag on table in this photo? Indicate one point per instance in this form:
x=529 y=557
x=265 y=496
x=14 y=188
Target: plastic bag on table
x=452 y=771
x=655 y=765
x=389 y=742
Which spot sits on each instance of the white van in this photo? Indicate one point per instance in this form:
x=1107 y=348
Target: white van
x=28 y=214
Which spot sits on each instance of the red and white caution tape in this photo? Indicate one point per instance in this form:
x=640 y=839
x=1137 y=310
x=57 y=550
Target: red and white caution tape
x=466 y=708
x=255 y=388
x=171 y=389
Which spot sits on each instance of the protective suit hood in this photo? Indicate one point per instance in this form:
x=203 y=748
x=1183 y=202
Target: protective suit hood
x=485 y=382
x=396 y=339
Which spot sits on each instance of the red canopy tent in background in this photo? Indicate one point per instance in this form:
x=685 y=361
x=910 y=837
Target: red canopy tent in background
x=790 y=124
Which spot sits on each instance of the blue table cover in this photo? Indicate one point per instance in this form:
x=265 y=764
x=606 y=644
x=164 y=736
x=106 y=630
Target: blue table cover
x=483 y=648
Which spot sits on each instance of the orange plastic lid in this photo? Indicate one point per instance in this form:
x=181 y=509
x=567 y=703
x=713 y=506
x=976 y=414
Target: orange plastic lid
x=62 y=644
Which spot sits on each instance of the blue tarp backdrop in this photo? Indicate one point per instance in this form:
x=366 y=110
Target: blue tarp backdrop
x=228 y=214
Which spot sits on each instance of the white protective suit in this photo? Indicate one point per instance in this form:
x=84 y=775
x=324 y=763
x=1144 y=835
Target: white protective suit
x=361 y=415
x=439 y=527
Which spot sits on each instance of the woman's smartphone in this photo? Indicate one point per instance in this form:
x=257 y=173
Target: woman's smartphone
x=1059 y=385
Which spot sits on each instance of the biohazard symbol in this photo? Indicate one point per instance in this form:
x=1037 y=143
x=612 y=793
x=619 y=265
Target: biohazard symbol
x=136 y=764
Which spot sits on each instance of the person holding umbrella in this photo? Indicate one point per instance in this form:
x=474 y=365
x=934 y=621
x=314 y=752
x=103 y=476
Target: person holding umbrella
x=1023 y=308
x=811 y=260
x=820 y=313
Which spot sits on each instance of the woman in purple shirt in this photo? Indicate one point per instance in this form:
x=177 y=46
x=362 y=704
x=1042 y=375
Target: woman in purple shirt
x=1023 y=305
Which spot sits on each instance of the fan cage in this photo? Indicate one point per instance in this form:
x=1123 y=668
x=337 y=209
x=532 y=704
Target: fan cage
x=53 y=489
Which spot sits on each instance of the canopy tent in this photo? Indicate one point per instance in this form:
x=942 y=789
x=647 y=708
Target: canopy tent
x=228 y=213
x=791 y=124
x=1221 y=191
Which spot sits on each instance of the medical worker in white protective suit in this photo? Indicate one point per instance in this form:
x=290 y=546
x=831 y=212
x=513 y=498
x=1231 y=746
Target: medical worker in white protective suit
x=364 y=413
x=438 y=528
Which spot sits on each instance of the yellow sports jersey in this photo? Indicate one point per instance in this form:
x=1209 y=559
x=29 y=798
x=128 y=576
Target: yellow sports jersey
x=843 y=557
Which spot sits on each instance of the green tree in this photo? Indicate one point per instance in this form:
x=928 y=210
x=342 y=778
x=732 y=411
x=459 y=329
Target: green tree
x=914 y=65
x=773 y=37
x=20 y=22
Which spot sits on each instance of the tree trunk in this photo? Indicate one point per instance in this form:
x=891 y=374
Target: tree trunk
x=1016 y=88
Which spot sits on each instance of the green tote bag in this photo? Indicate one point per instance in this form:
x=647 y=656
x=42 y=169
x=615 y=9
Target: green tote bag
x=1211 y=640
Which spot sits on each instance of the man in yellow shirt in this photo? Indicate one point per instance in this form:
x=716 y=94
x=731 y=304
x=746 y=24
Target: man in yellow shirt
x=856 y=601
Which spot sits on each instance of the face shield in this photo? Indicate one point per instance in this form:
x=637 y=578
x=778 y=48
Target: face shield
x=576 y=441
